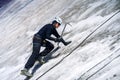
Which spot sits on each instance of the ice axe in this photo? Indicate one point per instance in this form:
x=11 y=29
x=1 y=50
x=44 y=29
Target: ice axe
x=63 y=33
x=54 y=50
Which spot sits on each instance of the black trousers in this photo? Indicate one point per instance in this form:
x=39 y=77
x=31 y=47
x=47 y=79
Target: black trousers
x=37 y=43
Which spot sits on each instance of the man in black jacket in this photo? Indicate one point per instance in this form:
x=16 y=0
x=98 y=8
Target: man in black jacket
x=40 y=39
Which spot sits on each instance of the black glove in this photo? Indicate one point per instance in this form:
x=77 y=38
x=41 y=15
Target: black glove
x=58 y=39
x=67 y=43
x=63 y=41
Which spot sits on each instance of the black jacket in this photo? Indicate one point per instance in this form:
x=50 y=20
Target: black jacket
x=46 y=31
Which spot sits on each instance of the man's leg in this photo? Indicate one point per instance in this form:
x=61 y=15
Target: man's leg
x=49 y=47
x=32 y=59
x=34 y=56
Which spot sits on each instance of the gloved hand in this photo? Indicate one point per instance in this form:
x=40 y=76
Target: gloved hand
x=67 y=43
x=58 y=39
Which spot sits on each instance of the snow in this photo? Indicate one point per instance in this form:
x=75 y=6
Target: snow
x=23 y=18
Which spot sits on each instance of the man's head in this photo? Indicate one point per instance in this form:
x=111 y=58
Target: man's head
x=57 y=22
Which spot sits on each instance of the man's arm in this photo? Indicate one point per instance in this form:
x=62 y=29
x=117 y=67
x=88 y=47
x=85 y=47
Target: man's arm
x=56 y=34
x=48 y=35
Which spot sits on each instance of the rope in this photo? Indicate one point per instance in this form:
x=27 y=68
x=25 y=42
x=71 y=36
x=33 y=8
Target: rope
x=78 y=45
x=103 y=66
x=100 y=63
